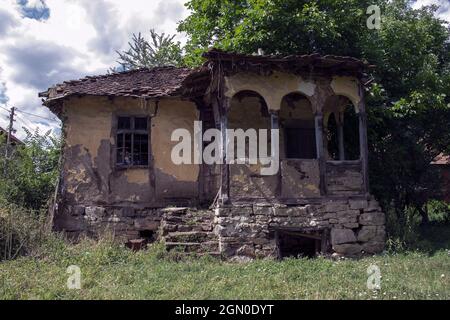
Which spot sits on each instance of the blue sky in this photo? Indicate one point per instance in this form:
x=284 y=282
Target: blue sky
x=43 y=42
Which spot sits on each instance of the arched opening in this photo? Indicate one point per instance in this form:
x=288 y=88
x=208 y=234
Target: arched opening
x=247 y=115
x=248 y=111
x=341 y=126
x=297 y=128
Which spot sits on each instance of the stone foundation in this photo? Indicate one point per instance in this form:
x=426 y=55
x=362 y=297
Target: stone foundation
x=349 y=227
x=247 y=231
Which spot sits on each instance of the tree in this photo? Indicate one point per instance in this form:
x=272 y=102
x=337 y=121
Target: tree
x=29 y=177
x=408 y=100
x=160 y=51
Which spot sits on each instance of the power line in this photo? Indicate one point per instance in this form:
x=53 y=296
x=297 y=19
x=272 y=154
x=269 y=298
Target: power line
x=26 y=124
x=4 y=109
x=35 y=115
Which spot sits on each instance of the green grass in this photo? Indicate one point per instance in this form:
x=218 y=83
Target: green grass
x=112 y=272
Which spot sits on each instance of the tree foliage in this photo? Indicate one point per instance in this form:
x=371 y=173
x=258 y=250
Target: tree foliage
x=159 y=51
x=29 y=175
x=408 y=100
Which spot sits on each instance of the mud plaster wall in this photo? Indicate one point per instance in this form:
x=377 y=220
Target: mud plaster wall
x=272 y=88
x=173 y=181
x=88 y=169
x=245 y=179
x=279 y=84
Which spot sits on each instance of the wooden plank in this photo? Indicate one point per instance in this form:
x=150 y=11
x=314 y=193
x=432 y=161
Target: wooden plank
x=320 y=152
x=275 y=125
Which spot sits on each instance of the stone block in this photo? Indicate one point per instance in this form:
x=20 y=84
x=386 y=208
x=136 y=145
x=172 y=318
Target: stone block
x=350 y=250
x=94 y=214
x=263 y=211
x=342 y=236
x=335 y=207
x=247 y=251
x=367 y=233
x=373 y=247
x=358 y=204
x=147 y=224
x=372 y=219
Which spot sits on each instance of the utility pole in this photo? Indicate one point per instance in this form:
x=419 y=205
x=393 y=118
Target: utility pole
x=10 y=130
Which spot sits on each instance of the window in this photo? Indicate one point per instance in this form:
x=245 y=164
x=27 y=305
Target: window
x=301 y=143
x=132 y=141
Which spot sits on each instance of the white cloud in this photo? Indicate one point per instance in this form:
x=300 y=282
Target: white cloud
x=79 y=37
x=444 y=7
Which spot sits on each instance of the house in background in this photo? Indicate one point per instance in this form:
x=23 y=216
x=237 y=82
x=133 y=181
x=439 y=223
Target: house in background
x=442 y=162
x=118 y=173
x=14 y=141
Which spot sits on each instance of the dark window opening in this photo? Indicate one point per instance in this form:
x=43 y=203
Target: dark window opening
x=342 y=129
x=301 y=143
x=132 y=141
x=297 y=126
x=293 y=244
x=147 y=235
x=332 y=138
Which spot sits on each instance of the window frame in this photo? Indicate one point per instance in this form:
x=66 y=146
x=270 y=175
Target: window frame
x=132 y=131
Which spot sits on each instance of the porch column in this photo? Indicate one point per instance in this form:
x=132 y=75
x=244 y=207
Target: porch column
x=275 y=125
x=225 y=170
x=363 y=146
x=320 y=151
x=340 y=128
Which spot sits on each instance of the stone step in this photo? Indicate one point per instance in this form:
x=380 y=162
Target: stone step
x=190 y=236
x=193 y=247
x=214 y=254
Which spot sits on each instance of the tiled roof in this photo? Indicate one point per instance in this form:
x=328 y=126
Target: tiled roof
x=173 y=81
x=326 y=63
x=155 y=82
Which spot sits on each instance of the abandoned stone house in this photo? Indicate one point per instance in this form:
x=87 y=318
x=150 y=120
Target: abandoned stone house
x=117 y=171
x=14 y=141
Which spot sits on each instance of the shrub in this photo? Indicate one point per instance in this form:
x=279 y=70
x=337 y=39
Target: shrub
x=439 y=211
x=22 y=231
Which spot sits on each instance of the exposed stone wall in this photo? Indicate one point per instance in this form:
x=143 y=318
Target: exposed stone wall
x=124 y=222
x=248 y=231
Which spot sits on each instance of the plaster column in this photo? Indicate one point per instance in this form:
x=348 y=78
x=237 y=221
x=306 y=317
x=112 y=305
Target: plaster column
x=275 y=125
x=225 y=169
x=340 y=128
x=320 y=151
x=363 y=146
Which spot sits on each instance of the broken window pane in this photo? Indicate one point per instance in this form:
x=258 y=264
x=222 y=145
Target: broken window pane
x=120 y=148
x=132 y=143
x=140 y=123
x=124 y=123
